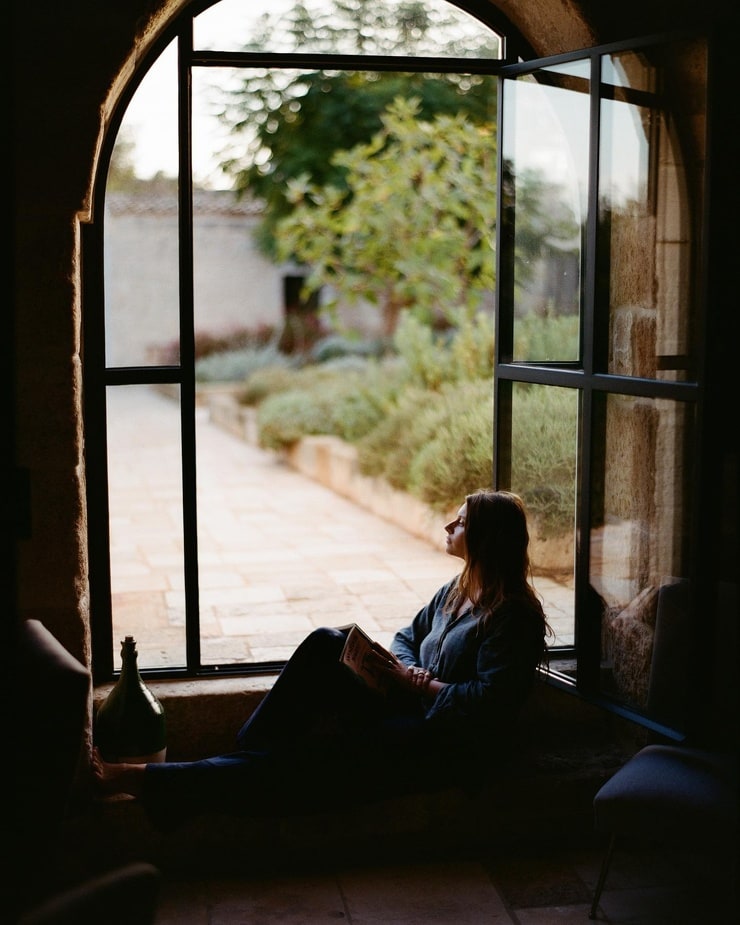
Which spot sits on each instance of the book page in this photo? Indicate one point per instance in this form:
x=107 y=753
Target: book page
x=360 y=653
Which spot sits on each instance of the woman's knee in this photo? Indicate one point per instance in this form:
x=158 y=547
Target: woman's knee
x=325 y=638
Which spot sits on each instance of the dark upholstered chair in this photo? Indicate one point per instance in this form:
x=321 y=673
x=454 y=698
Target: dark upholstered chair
x=670 y=793
x=121 y=897
x=49 y=701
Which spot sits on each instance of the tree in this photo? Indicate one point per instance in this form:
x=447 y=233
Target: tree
x=291 y=122
x=412 y=227
x=122 y=175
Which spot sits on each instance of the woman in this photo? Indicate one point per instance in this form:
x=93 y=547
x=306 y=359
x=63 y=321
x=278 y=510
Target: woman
x=460 y=673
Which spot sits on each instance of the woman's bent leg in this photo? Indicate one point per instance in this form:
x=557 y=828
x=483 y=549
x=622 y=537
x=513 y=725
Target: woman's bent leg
x=314 y=689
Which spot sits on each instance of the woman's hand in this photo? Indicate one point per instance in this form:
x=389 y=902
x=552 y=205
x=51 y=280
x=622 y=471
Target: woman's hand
x=418 y=678
x=412 y=677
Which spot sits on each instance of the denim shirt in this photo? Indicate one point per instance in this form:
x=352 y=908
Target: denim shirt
x=488 y=673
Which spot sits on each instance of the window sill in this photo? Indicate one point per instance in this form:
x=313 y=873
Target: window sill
x=203 y=715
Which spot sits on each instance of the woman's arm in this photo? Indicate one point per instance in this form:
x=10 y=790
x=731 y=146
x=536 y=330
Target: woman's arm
x=413 y=678
x=407 y=642
x=504 y=668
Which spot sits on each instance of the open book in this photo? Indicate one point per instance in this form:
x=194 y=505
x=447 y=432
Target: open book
x=360 y=653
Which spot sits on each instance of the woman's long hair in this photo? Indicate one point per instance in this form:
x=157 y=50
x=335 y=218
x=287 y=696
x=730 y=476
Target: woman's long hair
x=497 y=566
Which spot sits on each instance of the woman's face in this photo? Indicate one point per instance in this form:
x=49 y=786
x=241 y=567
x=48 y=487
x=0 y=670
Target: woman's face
x=455 y=531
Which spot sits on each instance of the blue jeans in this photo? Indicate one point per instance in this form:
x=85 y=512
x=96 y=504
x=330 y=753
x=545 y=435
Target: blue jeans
x=318 y=738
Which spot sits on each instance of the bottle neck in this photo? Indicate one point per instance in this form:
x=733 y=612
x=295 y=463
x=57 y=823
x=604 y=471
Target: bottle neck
x=129 y=659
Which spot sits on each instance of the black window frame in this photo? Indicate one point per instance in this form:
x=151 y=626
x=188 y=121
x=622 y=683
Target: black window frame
x=98 y=377
x=518 y=59
x=587 y=377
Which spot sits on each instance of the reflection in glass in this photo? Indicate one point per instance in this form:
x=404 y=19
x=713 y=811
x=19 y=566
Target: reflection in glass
x=640 y=537
x=545 y=150
x=388 y=26
x=544 y=442
x=146 y=532
x=647 y=181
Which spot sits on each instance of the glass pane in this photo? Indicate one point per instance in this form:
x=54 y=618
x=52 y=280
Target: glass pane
x=385 y=27
x=141 y=227
x=254 y=592
x=544 y=444
x=237 y=287
x=545 y=151
x=146 y=533
x=650 y=199
x=242 y=287
x=254 y=308
x=640 y=547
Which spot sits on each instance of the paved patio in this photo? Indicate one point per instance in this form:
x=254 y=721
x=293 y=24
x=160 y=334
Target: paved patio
x=279 y=554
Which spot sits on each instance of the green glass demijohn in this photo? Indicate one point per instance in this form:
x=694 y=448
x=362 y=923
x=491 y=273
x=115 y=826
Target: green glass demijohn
x=130 y=723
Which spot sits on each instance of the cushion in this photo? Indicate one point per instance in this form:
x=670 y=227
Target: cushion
x=671 y=792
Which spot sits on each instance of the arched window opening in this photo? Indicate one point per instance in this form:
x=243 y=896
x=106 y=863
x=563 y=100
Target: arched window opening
x=246 y=230
x=199 y=284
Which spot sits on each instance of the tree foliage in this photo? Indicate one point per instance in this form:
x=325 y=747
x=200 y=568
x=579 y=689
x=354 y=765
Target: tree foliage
x=291 y=122
x=412 y=228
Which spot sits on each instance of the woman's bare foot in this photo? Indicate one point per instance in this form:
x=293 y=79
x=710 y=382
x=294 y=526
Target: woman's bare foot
x=112 y=778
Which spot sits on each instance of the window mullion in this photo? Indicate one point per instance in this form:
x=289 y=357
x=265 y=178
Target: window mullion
x=187 y=350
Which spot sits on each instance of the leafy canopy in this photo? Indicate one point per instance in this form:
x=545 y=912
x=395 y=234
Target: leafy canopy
x=291 y=122
x=413 y=225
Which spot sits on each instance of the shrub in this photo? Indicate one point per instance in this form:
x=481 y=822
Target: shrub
x=423 y=420
x=471 y=349
x=344 y=401
x=435 y=445
x=363 y=399
x=386 y=450
x=544 y=453
x=340 y=345
x=423 y=352
x=284 y=418
x=265 y=381
x=207 y=343
x=431 y=358
x=551 y=338
x=236 y=365
x=457 y=457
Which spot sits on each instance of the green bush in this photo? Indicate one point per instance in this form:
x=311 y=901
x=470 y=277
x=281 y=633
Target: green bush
x=432 y=358
x=424 y=353
x=387 y=449
x=208 y=343
x=422 y=420
x=265 y=381
x=434 y=445
x=236 y=365
x=341 y=345
x=288 y=374
x=364 y=399
x=544 y=444
x=327 y=399
x=471 y=349
x=550 y=338
x=457 y=457
x=284 y=418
